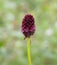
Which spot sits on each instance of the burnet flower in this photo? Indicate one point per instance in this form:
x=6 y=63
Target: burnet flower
x=28 y=25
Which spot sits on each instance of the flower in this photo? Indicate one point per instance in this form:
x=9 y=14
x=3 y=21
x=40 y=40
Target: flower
x=28 y=25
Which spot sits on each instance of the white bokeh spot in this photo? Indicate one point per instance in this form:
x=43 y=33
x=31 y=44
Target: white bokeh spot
x=55 y=24
x=9 y=4
x=10 y=17
x=49 y=32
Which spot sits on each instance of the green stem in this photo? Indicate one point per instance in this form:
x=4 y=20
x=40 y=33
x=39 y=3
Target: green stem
x=28 y=51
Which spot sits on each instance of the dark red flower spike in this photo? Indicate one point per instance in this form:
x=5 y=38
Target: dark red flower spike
x=28 y=25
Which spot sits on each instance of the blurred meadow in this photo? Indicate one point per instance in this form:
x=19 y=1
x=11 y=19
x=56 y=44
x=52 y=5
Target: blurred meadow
x=13 y=47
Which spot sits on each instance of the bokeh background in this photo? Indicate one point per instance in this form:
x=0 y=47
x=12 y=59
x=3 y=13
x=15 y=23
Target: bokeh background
x=13 y=47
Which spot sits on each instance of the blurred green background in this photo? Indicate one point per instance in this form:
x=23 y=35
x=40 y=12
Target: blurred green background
x=13 y=47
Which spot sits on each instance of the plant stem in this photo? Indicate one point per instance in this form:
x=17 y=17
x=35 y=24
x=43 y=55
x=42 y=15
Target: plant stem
x=28 y=51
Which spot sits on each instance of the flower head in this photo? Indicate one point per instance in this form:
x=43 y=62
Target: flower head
x=28 y=25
